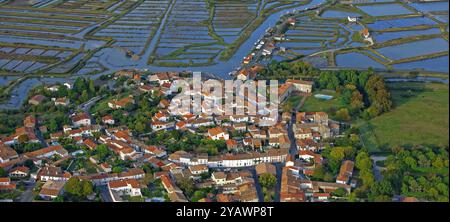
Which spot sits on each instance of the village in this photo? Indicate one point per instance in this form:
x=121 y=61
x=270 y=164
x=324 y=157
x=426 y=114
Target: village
x=177 y=158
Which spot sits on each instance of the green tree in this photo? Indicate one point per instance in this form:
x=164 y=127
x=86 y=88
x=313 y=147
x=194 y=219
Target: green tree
x=102 y=151
x=62 y=91
x=356 y=102
x=3 y=172
x=267 y=180
x=367 y=177
x=117 y=169
x=363 y=161
x=87 y=188
x=53 y=125
x=91 y=87
x=140 y=127
x=84 y=96
x=73 y=187
x=187 y=185
x=340 y=192
x=79 y=85
x=378 y=94
x=343 y=114
x=319 y=172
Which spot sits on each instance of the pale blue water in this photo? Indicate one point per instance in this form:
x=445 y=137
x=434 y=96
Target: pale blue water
x=439 y=64
x=416 y=48
x=385 y=9
x=338 y=14
x=401 y=23
x=430 y=6
x=324 y=97
x=387 y=36
x=356 y=60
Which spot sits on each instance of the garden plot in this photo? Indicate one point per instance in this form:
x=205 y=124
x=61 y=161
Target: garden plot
x=414 y=49
x=135 y=29
x=186 y=29
x=231 y=17
x=385 y=9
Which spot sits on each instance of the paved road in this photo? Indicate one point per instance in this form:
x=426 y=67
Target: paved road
x=104 y=194
x=257 y=185
x=376 y=169
x=87 y=105
x=27 y=195
x=279 y=167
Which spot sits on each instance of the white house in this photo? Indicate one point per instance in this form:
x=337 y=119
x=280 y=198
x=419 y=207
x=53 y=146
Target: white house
x=4 y=181
x=159 y=125
x=81 y=120
x=218 y=133
x=108 y=119
x=19 y=172
x=52 y=189
x=198 y=169
x=352 y=19
x=129 y=187
x=7 y=154
x=54 y=174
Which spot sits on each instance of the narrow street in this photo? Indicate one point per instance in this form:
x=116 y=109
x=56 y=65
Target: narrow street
x=377 y=169
x=257 y=185
x=87 y=105
x=104 y=194
x=27 y=195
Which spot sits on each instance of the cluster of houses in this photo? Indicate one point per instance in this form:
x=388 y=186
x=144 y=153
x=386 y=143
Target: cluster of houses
x=296 y=186
x=250 y=144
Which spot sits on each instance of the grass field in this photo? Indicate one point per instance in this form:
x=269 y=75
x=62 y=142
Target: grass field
x=294 y=100
x=420 y=116
x=313 y=104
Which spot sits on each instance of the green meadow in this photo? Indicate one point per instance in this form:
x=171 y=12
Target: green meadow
x=420 y=116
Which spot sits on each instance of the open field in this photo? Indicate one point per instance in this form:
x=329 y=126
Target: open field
x=420 y=116
x=313 y=104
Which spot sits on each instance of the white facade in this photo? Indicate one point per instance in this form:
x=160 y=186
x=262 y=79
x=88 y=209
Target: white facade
x=82 y=122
